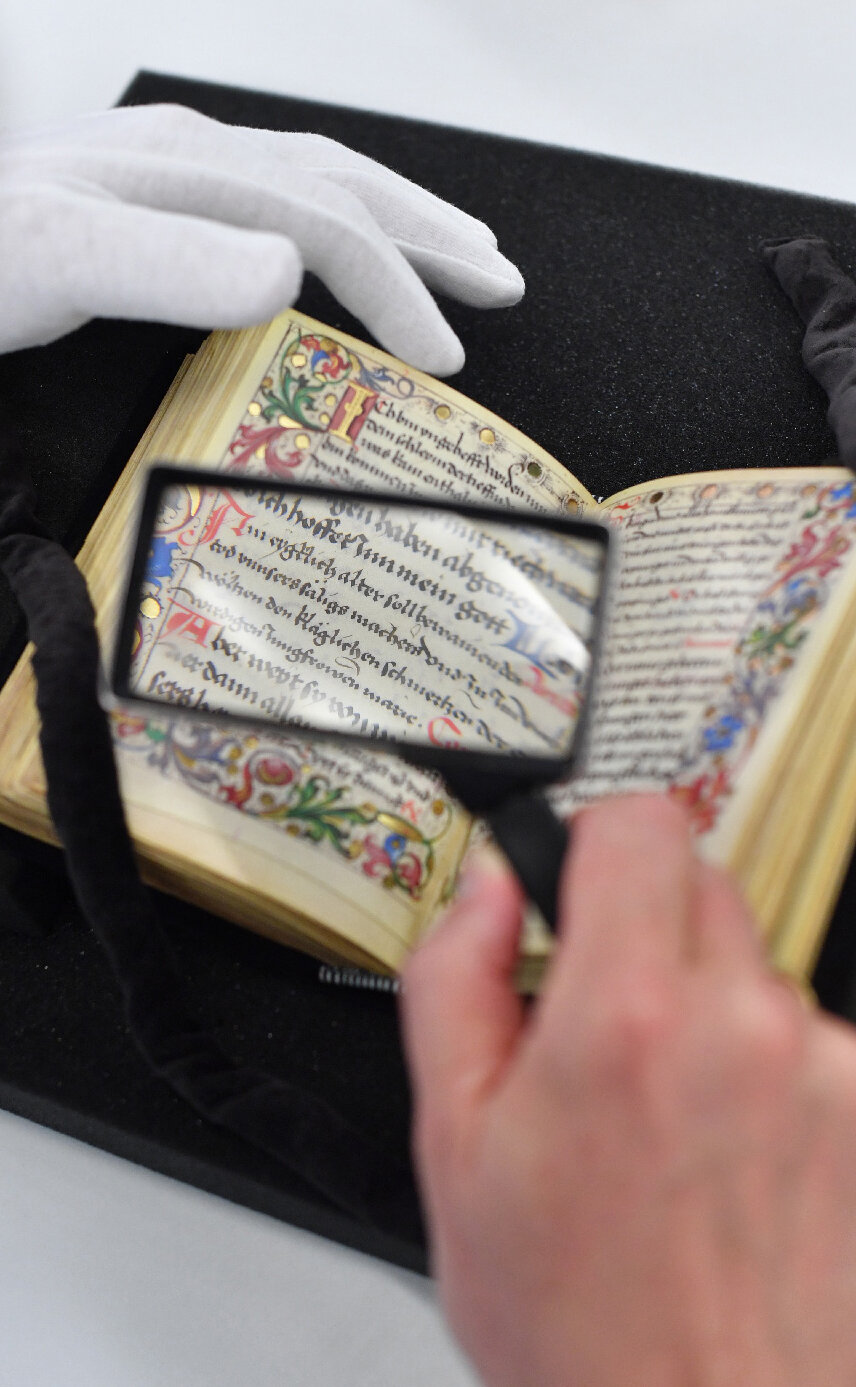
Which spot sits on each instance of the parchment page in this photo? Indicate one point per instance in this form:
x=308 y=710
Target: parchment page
x=699 y=555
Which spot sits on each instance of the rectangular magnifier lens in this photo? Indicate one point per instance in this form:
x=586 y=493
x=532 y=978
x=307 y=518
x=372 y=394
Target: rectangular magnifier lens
x=353 y=615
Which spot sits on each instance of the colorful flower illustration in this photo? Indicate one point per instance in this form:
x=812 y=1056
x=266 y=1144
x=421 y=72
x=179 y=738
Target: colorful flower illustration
x=159 y=560
x=703 y=797
x=274 y=770
x=307 y=366
x=325 y=357
x=270 y=780
x=845 y=493
x=125 y=725
x=393 y=862
x=271 y=445
x=722 y=734
x=781 y=621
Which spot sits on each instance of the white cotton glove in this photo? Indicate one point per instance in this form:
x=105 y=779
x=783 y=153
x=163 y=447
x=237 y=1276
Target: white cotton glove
x=157 y=212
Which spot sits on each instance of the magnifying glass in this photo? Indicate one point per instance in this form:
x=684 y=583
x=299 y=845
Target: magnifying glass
x=462 y=638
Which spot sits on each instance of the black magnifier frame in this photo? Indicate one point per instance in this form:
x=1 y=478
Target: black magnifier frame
x=504 y=788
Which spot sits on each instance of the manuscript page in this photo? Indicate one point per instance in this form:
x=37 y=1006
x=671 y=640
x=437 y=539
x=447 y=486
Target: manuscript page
x=705 y=560
x=337 y=845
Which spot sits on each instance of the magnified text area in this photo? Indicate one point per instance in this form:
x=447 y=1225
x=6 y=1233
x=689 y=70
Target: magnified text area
x=378 y=619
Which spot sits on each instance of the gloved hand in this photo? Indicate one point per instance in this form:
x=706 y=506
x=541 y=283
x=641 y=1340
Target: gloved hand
x=157 y=212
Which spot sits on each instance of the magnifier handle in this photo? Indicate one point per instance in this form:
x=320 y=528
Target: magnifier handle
x=535 y=840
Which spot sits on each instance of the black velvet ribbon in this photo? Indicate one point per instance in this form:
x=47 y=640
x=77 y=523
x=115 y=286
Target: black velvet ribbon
x=306 y=1135
x=825 y=298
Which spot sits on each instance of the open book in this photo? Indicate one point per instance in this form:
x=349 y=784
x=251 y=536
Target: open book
x=728 y=672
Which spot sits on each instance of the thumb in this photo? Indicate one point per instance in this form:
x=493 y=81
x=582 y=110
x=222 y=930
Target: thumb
x=461 y=1014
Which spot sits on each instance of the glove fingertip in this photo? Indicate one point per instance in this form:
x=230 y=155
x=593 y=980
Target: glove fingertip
x=444 y=359
x=511 y=288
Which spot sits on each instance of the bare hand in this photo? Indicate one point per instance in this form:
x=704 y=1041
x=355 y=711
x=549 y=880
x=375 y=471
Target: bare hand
x=649 y=1178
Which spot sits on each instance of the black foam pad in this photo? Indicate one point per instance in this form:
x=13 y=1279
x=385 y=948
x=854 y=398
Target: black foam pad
x=652 y=340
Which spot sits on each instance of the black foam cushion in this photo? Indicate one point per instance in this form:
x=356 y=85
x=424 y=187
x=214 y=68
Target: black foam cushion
x=652 y=340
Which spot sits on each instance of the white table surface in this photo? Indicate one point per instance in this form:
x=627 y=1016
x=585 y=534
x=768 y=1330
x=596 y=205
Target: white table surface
x=111 y=1276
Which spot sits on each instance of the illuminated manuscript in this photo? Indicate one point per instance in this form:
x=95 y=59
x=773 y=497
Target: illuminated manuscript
x=726 y=679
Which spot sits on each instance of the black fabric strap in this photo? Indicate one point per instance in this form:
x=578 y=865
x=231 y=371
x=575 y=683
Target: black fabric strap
x=535 y=841
x=825 y=298
x=310 y=1138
